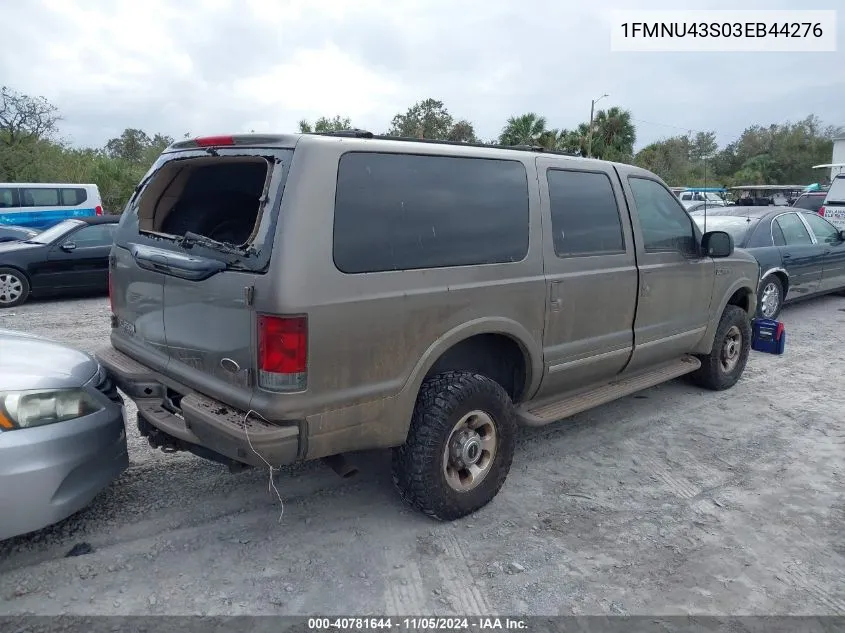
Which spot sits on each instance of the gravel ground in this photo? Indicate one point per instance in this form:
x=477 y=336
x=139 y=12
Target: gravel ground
x=673 y=501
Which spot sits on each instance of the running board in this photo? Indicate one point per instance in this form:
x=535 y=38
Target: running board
x=546 y=412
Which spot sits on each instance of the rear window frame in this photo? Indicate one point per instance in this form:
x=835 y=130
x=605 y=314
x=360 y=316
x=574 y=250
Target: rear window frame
x=257 y=258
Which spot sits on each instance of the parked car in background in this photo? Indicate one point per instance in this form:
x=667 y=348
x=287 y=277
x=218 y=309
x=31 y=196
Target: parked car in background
x=12 y=233
x=833 y=208
x=700 y=206
x=800 y=253
x=41 y=205
x=62 y=432
x=69 y=257
x=279 y=298
x=810 y=201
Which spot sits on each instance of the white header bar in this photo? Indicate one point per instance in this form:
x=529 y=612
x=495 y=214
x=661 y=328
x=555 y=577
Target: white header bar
x=723 y=31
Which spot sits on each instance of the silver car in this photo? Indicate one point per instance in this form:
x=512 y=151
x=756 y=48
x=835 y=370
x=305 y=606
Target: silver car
x=62 y=433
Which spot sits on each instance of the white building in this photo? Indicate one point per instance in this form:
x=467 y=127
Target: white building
x=838 y=156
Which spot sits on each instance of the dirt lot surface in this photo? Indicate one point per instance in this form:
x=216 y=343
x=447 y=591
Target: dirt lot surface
x=670 y=502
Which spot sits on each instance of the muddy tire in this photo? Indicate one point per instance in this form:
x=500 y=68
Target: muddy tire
x=14 y=288
x=723 y=366
x=459 y=448
x=770 y=298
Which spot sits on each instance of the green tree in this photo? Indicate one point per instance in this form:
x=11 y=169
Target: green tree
x=427 y=119
x=463 y=132
x=325 y=125
x=25 y=119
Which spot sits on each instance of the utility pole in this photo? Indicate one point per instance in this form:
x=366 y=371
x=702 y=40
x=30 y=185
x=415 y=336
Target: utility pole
x=590 y=133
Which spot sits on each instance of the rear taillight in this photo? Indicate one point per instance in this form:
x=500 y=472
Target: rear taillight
x=282 y=353
x=98 y=210
x=211 y=141
x=821 y=210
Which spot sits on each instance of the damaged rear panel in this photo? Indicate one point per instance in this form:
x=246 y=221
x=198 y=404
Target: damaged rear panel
x=191 y=243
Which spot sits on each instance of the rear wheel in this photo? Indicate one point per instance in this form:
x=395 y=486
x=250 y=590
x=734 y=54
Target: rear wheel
x=460 y=445
x=14 y=287
x=770 y=297
x=723 y=366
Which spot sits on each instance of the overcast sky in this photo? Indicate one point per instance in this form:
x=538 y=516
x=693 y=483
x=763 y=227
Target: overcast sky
x=216 y=66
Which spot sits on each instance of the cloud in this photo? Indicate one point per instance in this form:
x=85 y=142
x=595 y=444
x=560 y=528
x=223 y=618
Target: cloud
x=211 y=66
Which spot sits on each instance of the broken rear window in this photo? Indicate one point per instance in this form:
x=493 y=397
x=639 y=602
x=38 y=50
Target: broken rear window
x=218 y=200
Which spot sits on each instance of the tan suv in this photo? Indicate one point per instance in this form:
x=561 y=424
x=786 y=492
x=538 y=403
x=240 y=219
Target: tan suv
x=293 y=297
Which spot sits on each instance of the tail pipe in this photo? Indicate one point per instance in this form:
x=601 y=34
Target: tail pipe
x=341 y=466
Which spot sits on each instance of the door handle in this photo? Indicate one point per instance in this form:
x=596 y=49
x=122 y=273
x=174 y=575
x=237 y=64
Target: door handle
x=786 y=255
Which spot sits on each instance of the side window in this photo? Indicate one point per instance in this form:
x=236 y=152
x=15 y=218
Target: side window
x=73 y=197
x=777 y=235
x=403 y=211
x=39 y=197
x=664 y=223
x=794 y=231
x=95 y=235
x=585 y=216
x=824 y=231
x=8 y=197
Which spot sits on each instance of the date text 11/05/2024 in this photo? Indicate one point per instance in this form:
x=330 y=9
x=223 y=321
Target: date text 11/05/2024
x=418 y=624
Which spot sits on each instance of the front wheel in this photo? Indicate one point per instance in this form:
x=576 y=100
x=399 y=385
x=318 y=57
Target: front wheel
x=723 y=366
x=459 y=448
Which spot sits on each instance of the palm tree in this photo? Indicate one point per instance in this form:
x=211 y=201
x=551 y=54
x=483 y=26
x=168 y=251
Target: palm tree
x=526 y=129
x=614 y=134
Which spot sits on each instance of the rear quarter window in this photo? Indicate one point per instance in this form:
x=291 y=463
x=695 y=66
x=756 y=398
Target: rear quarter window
x=72 y=197
x=836 y=193
x=404 y=211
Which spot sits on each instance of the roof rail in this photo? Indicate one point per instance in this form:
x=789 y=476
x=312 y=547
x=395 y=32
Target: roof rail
x=354 y=133
x=528 y=148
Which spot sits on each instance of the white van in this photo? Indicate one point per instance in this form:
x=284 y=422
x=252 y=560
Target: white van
x=833 y=208
x=41 y=205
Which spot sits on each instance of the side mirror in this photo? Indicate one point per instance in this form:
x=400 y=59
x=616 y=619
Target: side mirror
x=717 y=244
x=68 y=247
x=842 y=235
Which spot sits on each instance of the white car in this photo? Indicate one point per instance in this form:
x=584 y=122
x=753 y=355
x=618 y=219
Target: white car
x=697 y=205
x=833 y=208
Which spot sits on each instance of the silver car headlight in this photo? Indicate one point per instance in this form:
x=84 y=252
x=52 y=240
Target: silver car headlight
x=26 y=409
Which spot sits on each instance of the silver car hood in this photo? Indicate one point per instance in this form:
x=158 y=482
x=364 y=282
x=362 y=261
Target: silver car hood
x=31 y=362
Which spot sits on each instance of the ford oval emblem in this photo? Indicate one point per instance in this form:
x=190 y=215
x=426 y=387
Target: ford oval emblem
x=229 y=365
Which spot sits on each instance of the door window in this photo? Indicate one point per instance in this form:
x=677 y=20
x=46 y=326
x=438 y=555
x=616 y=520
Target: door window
x=666 y=226
x=585 y=218
x=39 y=197
x=8 y=197
x=794 y=231
x=95 y=235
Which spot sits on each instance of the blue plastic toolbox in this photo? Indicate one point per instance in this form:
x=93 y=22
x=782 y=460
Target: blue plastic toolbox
x=768 y=335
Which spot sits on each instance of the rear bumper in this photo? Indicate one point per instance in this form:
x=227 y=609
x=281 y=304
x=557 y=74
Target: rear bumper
x=202 y=421
x=51 y=472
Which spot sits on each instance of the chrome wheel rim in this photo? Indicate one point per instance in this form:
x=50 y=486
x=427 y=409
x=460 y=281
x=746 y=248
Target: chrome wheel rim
x=731 y=349
x=770 y=300
x=11 y=288
x=470 y=451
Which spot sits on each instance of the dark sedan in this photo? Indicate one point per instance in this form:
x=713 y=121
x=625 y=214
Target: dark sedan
x=12 y=233
x=69 y=257
x=800 y=253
